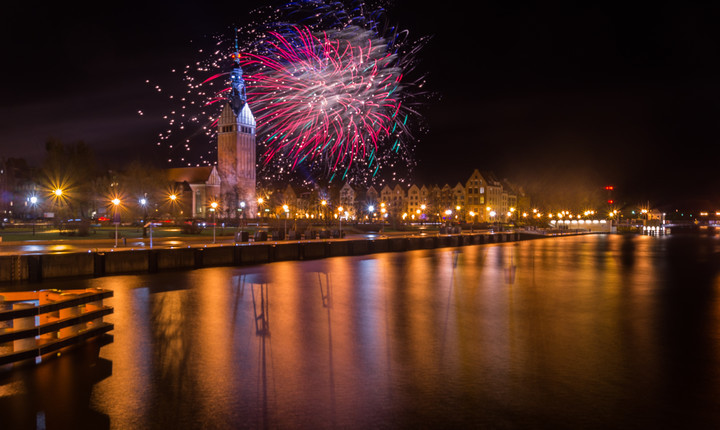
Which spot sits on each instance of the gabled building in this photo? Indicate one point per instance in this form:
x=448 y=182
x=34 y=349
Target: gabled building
x=414 y=201
x=446 y=199
x=397 y=205
x=386 y=195
x=458 y=197
x=199 y=185
x=372 y=197
x=347 y=199
x=493 y=197
x=475 y=196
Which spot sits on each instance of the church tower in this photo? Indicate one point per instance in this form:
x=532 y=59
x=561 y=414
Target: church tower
x=236 y=146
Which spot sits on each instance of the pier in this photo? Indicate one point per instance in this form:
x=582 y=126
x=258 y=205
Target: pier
x=37 y=324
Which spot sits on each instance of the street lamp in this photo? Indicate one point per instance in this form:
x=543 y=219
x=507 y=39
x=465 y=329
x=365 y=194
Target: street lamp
x=286 y=209
x=173 y=199
x=58 y=198
x=260 y=212
x=340 y=211
x=213 y=209
x=116 y=219
x=33 y=204
x=242 y=223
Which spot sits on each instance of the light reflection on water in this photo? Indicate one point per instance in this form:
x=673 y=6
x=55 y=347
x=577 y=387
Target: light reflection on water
x=593 y=331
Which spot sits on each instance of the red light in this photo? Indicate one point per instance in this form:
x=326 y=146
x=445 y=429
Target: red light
x=609 y=187
x=611 y=202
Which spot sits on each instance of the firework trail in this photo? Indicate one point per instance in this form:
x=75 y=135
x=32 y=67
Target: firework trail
x=329 y=85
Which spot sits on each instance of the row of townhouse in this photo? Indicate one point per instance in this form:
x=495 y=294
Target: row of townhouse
x=482 y=198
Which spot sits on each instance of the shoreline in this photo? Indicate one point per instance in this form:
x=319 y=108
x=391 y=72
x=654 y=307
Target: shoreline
x=35 y=267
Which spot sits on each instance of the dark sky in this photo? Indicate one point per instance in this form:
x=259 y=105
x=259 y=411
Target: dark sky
x=592 y=93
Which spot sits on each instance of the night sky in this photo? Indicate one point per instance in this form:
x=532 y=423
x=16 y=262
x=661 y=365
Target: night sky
x=587 y=94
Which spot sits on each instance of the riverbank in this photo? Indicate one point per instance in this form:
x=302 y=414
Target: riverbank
x=33 y=268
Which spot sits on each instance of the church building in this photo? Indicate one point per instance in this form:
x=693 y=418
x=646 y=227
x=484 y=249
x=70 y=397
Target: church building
x=236 y=146
x=232 y=184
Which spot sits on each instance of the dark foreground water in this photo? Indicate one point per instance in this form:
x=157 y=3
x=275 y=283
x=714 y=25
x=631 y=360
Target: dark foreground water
x=577 y=332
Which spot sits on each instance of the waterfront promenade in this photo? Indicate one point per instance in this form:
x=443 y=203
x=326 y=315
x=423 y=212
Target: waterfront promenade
x=23 y=262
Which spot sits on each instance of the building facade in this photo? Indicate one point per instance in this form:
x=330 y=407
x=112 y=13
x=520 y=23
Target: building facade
x=236 y=146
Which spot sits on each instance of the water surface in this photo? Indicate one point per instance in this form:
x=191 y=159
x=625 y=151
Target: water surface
x=577 y=332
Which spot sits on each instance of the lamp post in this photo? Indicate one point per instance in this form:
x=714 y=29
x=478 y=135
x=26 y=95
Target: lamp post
x=213 y=209
x=57 y=195
x=260 y=209
x=33 y=204
x=324 y=213
x=242 y=223
x=340 y=210
x=286 y=209
x=383 y=216
x=116 y=218
x=143 y=203
x=173 y=200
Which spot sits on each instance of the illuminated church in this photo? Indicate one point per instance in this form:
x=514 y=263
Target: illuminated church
x=232 y=183
x=236 y=146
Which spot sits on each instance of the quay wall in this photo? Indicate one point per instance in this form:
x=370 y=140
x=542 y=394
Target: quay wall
x=35 y=268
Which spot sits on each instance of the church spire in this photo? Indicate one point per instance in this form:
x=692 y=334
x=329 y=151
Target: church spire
x=237 y=96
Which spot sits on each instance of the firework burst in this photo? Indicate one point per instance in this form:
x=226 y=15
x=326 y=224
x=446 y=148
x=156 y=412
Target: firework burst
x=330 y=88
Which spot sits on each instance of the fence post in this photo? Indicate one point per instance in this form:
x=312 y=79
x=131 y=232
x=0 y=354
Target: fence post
x=22 y=324
x=94 y=306
x=70 y=312
x=5 y=348
x=44 y=298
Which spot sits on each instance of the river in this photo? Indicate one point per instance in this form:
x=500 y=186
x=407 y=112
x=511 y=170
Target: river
x=599 y=331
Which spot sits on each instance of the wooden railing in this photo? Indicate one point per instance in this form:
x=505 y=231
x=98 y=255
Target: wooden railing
x=34 y=324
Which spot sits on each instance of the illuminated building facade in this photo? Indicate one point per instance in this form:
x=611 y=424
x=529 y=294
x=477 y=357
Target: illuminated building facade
x=236 y=147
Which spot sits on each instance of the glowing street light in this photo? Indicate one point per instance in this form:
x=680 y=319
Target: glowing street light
x=286 y=209
x=33 y=203
x=340 y=210
x=143 y=202
x=213 y=209
x=116 y=203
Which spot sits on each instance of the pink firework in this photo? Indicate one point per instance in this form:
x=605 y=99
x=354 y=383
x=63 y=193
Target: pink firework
x=333 y=97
